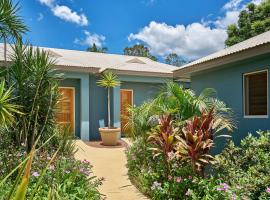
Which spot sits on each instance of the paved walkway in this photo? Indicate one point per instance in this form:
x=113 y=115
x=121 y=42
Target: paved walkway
x=110 y=163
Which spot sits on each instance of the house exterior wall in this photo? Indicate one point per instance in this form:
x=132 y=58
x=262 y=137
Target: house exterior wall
x=91 y=100
x=84 y=91
x=142 y=91
x=228 y=82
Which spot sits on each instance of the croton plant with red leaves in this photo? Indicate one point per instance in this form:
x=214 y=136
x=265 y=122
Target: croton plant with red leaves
x=196 y=140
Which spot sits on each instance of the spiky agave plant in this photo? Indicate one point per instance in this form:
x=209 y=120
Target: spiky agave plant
x=109 y=80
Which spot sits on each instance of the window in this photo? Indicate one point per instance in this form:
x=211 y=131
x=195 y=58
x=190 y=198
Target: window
x=256 y=94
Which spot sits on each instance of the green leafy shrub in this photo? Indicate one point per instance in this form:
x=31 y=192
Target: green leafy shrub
x=247 y=166
x=66 y=178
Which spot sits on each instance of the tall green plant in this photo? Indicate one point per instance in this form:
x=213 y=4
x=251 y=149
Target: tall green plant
x=182 y=105
x=7 y=108
x=36 y=86
x=109 y=80
x=11 y=24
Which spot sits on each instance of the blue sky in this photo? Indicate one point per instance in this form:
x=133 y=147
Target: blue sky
x=190 y=28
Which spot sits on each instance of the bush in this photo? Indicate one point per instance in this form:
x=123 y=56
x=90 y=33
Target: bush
x=148 y=174
x=66 y=178
x=247 y=166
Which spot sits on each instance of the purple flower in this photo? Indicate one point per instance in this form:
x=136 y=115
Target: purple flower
x=170 y=177
x=155 y=185
x=179 y=179
x=190 y=177
x=234 y=196
x=35 y=174
x=188 y=193
x=224 y=187
x=85 y=161
x=82 y=170
x=267 y=190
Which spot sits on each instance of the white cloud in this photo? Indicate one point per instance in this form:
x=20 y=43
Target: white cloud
x=190 y=41
x=47 y=2
x=65 y=13
x=231 y=17
x=232 y=5
x=40 y=17
x=90 y=39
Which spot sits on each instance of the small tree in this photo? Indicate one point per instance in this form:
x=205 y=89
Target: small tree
x=96 y=49
x=109 y=80
x=139 y=50
x=175 y=60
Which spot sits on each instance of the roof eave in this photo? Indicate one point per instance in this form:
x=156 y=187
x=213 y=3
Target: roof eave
x=231 y=58
x=140 y=73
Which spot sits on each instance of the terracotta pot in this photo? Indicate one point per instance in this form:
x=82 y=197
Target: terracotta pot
x=109 y=136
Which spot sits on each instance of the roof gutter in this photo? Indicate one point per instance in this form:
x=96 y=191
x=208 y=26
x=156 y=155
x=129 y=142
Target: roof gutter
x=140 y=73
x=185 y=72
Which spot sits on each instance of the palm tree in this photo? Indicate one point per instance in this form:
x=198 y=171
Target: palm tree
x=11 y=24
x=109 y=80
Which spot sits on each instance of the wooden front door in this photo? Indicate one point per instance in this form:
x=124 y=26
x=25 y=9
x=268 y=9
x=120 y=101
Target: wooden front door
x=126 y=99
x=66 y=111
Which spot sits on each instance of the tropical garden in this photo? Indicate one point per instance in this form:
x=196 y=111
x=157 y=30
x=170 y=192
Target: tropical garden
x=36 y=155
x=176 y=137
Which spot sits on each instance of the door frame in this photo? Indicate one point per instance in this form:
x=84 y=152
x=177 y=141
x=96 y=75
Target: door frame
x=129 y=90
x=74 y=106
x=132 y=102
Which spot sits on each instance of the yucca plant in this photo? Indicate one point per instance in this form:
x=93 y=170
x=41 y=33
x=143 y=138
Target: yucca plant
x=7 y=107
x=109 y=80
x=36 y=87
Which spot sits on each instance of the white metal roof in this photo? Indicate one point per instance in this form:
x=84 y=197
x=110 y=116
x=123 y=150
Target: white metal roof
x=102 y=61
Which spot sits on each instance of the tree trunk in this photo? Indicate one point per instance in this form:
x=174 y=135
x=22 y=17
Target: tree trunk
x=109 y=109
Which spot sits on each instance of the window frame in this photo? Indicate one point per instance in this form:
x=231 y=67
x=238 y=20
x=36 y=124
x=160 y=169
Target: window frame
x=244 y=96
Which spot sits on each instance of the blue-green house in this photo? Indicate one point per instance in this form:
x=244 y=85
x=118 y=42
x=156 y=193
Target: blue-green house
x=84 y=104
x=239 y=74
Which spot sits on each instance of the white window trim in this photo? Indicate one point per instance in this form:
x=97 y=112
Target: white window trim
x=244 y=96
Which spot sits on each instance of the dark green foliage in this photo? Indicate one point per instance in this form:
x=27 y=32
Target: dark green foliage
x=247 y=166
x=174 y=59
x=36 y=87
x=94 y=48
x=139 y=50
x=254 y=20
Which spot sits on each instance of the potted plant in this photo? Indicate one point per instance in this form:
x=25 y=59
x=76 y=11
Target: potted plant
x=109 y=135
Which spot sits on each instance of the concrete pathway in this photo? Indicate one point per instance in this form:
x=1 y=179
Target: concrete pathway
x=110 y=163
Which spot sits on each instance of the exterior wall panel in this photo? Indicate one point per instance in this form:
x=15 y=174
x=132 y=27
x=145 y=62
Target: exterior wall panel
x=228 y=82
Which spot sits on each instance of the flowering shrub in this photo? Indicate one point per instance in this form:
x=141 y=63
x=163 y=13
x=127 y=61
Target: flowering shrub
x=66 y=178
x=247 y=166
x=240 y=173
